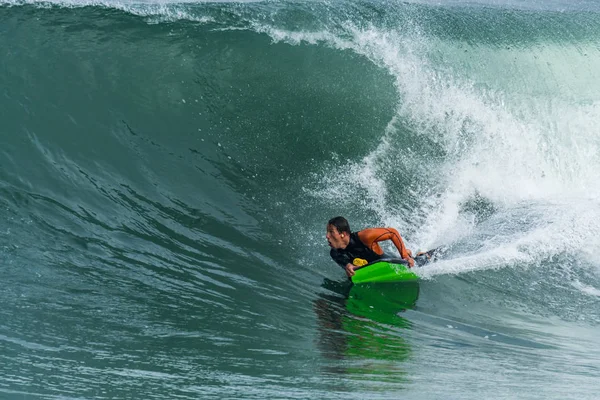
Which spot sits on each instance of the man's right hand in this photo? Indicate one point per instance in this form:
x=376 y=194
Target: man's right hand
x=350 y=270
x=411 y=262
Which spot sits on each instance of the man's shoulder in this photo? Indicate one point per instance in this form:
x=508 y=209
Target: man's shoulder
x=374 y=230
x=364 y=232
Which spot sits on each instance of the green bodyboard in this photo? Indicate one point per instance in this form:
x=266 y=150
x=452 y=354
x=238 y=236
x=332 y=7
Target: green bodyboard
x=383 y=271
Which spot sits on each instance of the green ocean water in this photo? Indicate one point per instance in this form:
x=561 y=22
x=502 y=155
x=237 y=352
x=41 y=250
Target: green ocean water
x=167 y=171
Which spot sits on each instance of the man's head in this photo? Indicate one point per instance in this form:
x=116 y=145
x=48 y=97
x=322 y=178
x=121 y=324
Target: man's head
x=338 y=233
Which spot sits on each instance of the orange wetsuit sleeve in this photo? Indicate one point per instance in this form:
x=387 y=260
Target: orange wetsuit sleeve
x=371 y=236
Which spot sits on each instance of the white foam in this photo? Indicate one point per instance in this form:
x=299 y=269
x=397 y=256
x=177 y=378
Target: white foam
x=525 y=154
x=157 y=10
x=587 y=289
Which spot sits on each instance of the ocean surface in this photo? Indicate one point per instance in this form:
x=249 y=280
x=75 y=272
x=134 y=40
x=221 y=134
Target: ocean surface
x=167 y=171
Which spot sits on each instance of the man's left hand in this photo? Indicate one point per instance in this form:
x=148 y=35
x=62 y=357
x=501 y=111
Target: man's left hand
x=350 y=270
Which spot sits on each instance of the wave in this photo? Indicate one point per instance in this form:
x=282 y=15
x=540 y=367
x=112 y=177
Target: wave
x=475 y=130
x=167 y=170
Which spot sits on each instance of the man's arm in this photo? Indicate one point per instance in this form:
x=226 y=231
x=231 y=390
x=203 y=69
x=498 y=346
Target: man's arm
x=371 y=236
x=342 y=261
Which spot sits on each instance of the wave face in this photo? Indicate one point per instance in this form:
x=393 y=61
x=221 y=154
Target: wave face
x=167 y=171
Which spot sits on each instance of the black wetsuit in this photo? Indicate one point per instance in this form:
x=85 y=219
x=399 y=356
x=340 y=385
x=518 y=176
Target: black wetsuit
x=355 y=249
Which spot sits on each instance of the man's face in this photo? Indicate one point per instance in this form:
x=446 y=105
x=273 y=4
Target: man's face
x=334 y=238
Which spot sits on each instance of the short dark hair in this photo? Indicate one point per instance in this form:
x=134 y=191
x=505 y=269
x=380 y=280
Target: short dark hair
x=340 y=223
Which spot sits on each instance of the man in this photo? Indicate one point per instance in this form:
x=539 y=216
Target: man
x=352 y=249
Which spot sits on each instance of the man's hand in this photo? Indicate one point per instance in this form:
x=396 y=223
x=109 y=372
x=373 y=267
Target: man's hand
x=411 y=262
x=350 y=270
